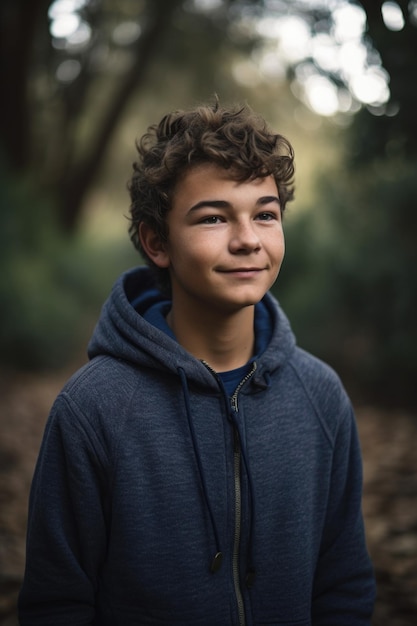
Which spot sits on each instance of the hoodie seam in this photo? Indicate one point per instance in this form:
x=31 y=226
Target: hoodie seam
x=118 y=425
x=329 y=436
x=83 y=424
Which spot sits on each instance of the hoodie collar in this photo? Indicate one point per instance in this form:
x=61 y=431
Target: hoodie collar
x=126 y=330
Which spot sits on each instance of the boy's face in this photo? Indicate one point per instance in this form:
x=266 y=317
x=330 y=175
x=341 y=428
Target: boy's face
x=226 y=243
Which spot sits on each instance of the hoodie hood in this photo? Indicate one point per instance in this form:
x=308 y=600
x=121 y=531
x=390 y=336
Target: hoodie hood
x=123 y=332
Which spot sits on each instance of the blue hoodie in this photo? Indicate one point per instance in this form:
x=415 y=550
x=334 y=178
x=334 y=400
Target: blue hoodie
x=159 y=499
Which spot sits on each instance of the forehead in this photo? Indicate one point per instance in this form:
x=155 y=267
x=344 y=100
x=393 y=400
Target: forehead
x=211 y=178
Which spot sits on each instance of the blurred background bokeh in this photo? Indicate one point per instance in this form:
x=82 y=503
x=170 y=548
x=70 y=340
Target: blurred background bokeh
x=81 y=80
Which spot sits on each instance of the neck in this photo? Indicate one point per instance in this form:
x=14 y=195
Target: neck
x=225 y=342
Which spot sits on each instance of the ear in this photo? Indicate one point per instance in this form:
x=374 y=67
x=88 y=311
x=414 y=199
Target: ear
x=154 y=247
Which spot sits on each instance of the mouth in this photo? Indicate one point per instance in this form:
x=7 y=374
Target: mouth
x=242 y=271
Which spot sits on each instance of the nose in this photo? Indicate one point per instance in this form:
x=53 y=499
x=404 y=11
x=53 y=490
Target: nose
x=244 y=238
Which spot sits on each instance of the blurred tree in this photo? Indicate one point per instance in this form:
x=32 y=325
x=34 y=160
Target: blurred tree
x=350 y=275
x=377 y=219
x=48 y=87
x=18 y=29
x=68 y=70
x=391 y=130
x=351 y=280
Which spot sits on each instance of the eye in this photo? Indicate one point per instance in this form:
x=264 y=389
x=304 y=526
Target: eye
x=211 y=219
x=267 y=216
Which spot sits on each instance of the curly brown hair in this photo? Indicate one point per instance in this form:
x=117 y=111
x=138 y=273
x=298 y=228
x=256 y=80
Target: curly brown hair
x=233 y=138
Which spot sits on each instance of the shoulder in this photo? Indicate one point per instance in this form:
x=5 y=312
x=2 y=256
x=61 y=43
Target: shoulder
x=324 y=390
x=97 y=397
x=102 y=377
x=315 y=374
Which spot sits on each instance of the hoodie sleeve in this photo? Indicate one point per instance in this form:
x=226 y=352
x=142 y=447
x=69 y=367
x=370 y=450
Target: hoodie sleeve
x=344 y=587
x=66 y=541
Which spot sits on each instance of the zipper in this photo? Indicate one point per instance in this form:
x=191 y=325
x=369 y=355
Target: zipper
x=238 y=526
x=238 y=493
x=238 y=501
x=234 y=401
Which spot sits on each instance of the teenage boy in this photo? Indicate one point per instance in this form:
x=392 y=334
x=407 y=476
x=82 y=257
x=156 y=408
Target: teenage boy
x=201 y=469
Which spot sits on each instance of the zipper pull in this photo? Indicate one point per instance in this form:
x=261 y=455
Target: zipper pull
x=233 y=401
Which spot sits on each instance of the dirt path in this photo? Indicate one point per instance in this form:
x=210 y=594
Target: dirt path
x=389 y=443
x=24 y=406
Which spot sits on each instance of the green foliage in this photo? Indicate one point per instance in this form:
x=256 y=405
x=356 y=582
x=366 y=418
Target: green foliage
x=349 y=282
x=51 y=287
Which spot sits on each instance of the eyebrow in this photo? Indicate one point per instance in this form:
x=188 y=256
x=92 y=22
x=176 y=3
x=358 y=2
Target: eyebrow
x=223 y=204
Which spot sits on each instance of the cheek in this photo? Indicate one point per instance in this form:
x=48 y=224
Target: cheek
x=282 y=246
x=189 y=254
x=202 y=247
x=276 y=246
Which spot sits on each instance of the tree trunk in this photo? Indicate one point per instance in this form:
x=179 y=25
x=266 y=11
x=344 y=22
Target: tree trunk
x=398 y=50
x=78 y=182
x=18 y=23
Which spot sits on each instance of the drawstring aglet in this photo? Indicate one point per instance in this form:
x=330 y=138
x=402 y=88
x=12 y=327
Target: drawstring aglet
x=216 y=562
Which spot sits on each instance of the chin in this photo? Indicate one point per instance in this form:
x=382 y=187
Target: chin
x=235 y=307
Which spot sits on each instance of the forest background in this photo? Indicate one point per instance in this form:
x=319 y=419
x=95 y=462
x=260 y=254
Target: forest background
x=81 y=80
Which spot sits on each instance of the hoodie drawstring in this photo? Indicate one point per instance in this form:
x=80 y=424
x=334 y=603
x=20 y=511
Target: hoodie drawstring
x=218 y=557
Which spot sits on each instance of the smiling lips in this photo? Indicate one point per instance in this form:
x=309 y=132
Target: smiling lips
x=242 y=270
